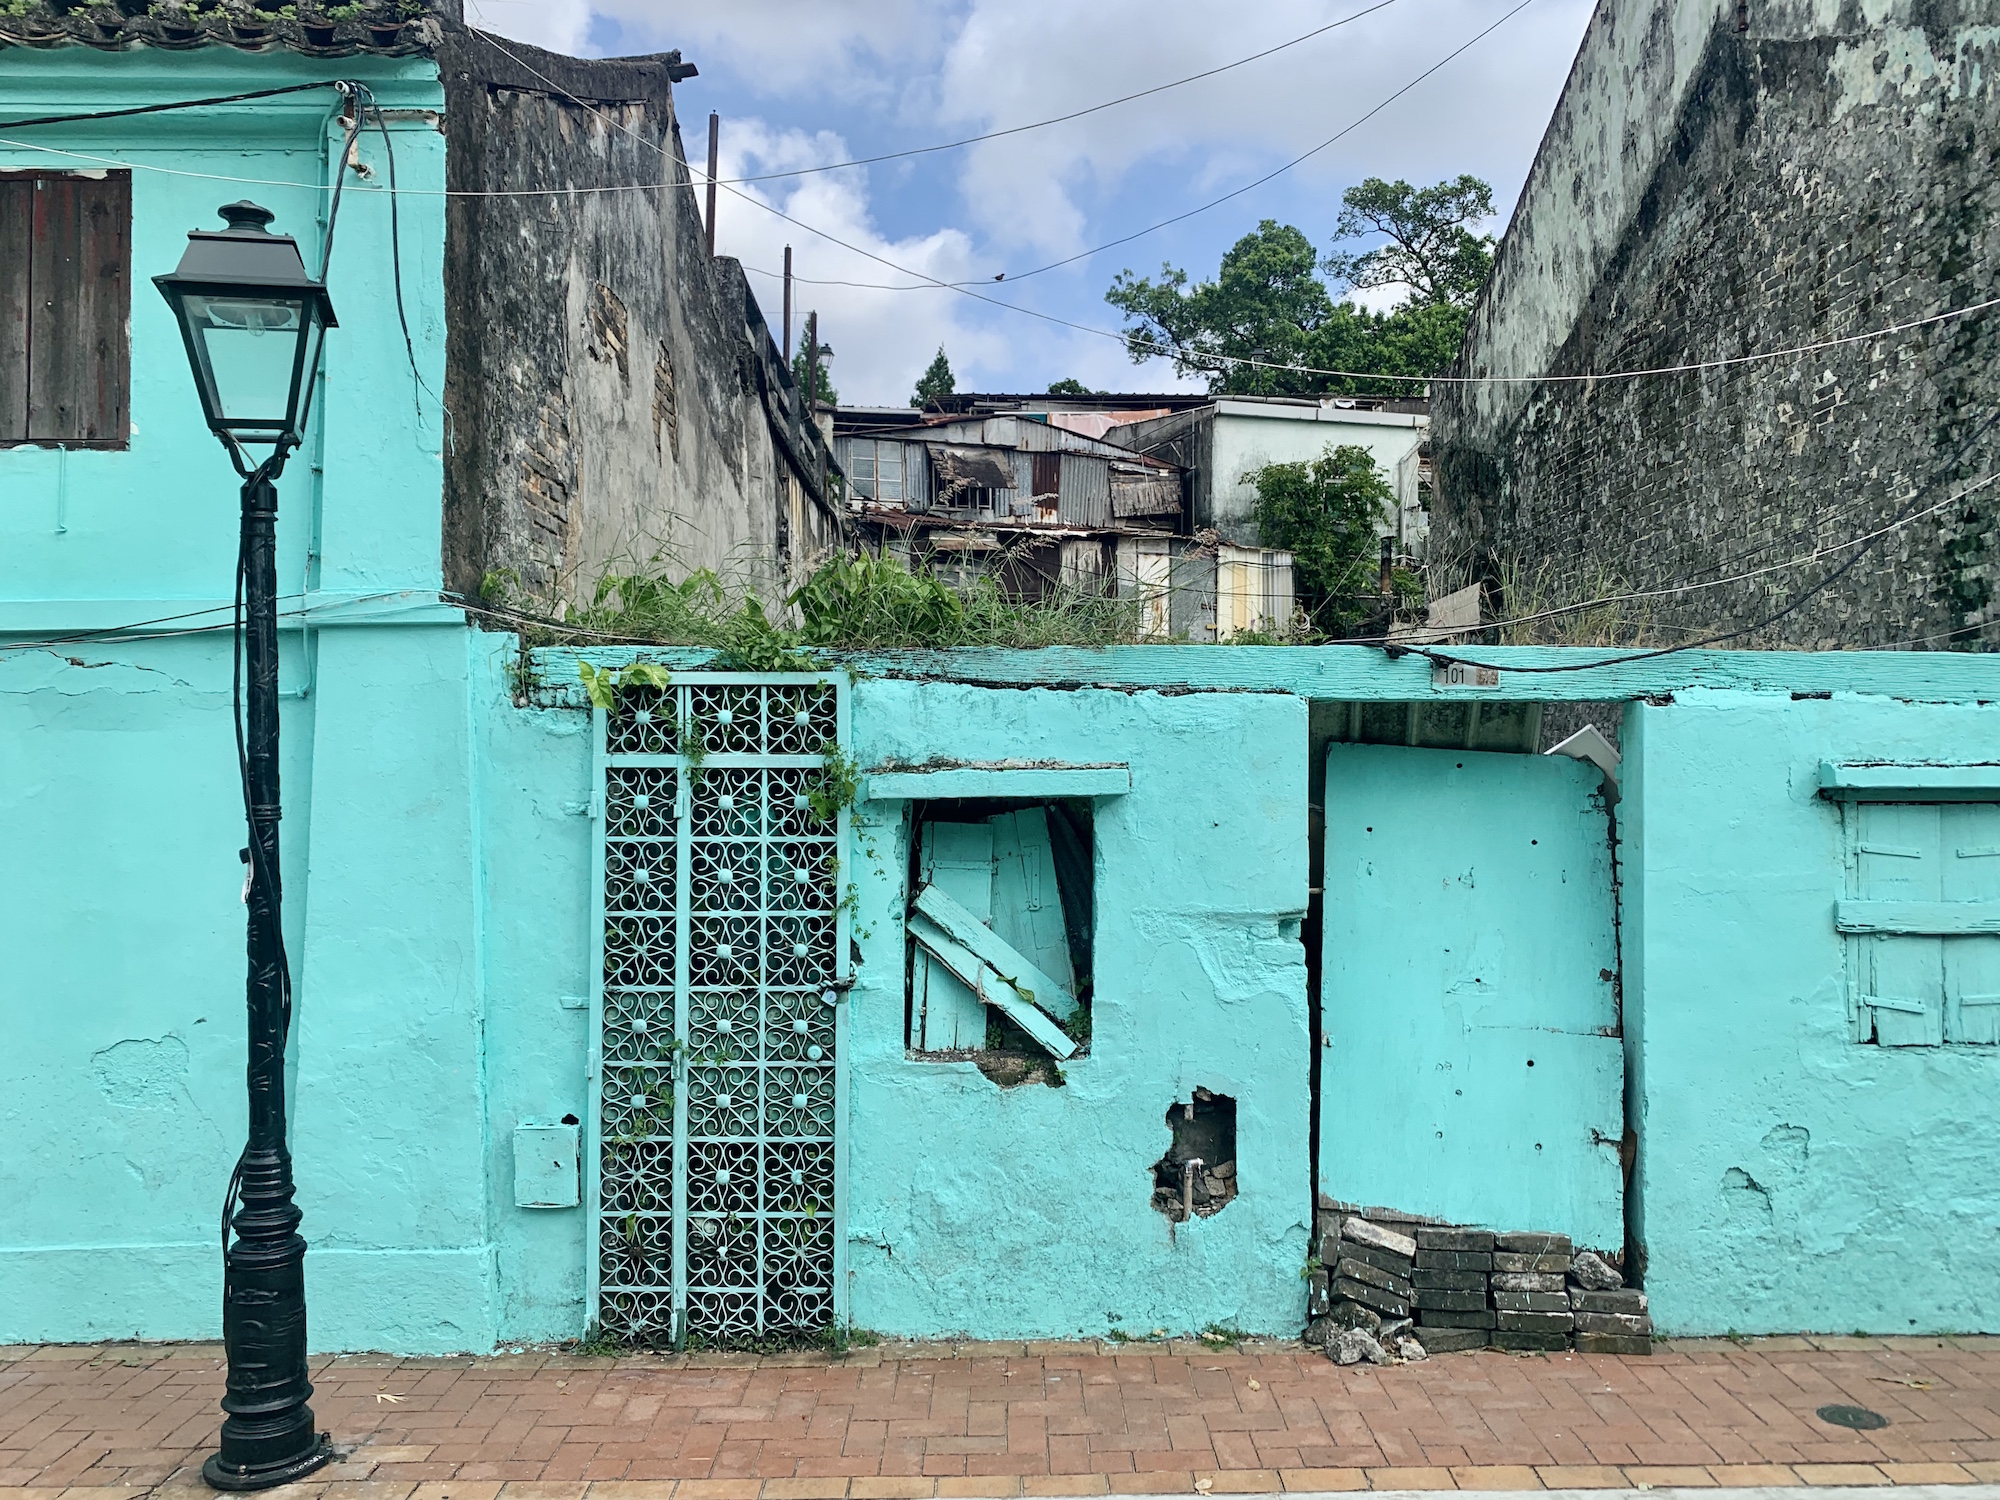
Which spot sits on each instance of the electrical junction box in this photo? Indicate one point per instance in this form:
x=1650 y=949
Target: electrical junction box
x=545 y=1166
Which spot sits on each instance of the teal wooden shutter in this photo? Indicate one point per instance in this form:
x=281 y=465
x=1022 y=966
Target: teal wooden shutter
x=1972 y=963
x=1900 y=976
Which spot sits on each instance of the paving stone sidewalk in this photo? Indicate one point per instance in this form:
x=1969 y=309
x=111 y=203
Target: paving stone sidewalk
x=913 y=1422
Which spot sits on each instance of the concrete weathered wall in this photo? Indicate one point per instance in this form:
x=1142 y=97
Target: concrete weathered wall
x=1221 y=445
x=612 y=409
x=1704 y=193
x=121 y=1085
x=1789 y=1178
x=1026 y=1212
x=438 y=859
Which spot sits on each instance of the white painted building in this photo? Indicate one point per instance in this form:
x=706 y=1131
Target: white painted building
x=1222 y=443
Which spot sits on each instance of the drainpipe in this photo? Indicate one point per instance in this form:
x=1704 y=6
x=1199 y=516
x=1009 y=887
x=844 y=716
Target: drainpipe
x=1188 y=1168
x=1388 y=564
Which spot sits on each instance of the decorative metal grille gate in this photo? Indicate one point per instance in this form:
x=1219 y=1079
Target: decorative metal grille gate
x=717 y=1019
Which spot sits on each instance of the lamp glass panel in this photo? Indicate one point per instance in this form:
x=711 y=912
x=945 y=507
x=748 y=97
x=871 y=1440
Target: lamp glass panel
x=249 y=351
x=309 y=371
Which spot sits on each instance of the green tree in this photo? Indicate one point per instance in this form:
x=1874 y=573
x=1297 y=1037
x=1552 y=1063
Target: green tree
x=1269 y=304
x=1069 y=385
x=1429 y=249
x=827 y=395
x=1325 y=513
x=1265 y=304
x=935 y=383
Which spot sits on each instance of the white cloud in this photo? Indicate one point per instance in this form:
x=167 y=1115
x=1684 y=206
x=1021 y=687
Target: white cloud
x=558 y=25
x=901 y=73
x=838 y=49
x=1032 y=59
x=876 y=358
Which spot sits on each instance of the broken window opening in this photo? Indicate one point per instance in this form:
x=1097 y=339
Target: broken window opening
x=1000 y=922
x=1197 y=1176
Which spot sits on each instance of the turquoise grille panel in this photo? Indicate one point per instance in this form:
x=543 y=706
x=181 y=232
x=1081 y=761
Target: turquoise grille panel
x=718 y=1013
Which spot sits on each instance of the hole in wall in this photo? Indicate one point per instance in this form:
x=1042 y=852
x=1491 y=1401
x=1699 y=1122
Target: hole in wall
x=571 y=1120
x=1024 y=871
x=1199 y=1169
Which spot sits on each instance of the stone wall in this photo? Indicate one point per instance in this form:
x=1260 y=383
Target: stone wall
x=1706 y=192
x=614 y=405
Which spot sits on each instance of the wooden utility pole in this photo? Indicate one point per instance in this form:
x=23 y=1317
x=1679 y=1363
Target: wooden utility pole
x=714 y=151
x=788 y=307
x=812 y=392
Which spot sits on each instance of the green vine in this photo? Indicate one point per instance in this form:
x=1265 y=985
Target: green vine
x=837 y=786
x=602 y=685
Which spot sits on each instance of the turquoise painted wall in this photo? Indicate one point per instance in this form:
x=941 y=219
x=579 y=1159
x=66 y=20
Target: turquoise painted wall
x=972 y=1209
x=1026 y=1212
x=121 y=1092
x=1790 y=1178
x=1471 y=1070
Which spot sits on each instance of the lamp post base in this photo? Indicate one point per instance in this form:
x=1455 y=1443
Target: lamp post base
x=226 y=1476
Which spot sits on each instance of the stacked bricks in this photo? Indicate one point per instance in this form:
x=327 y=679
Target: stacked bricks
x=1367 y=1269
x=1611 y=1318
x=1468 y=1288
x=1452 y=1280
x=1531 y=1291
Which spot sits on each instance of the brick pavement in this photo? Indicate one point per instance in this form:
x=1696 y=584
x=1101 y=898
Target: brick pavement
x=911 y=1422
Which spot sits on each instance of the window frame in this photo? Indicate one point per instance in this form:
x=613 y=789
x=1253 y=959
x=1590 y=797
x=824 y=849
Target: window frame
x=1881 y=926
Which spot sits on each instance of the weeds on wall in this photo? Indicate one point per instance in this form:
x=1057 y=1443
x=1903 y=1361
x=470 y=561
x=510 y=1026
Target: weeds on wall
x=849 y=603
x=1545 y=605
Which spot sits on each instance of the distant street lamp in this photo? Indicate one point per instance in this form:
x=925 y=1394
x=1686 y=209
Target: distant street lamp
x=252 y=320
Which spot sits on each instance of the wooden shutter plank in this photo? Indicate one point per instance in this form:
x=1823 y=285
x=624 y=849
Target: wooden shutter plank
x=988 y=985
x=948 y=1015
x=1972 y=964
x=78 y=374
x=987 y=946
x=1027 y=911
x=17 y=196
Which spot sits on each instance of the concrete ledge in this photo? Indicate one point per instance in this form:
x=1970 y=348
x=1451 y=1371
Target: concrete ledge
x=998 y=778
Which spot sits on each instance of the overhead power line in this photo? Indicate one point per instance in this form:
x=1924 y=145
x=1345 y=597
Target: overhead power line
x=1345 y=130
x=1862 y=546
x=1196 y=358
x=154 y=109
x=1075 y=114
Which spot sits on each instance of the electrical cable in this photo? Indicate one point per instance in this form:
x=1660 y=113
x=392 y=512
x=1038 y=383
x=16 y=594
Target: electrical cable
x=1076 y=114
x=860 y=161
x=1347 y=129
x=1866 y=541
x=1864 y=545
x=348 y=91
x=154 y=109
x=962 y=290
x=1193 y=358
x=1694 y=583
x=395 y=253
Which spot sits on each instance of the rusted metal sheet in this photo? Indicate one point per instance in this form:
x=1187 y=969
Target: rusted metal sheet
x=1045 y=475
x=958 y=468
x=1145 y=492
x=1085 y=490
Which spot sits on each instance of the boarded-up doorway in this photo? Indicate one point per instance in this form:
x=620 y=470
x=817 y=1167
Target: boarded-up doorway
x=1472 y=1069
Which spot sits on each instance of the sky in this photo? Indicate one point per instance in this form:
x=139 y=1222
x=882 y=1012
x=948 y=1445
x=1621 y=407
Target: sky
x=805 y=83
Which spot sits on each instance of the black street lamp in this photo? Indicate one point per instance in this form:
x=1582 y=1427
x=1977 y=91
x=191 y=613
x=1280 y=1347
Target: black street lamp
x=252 y=320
